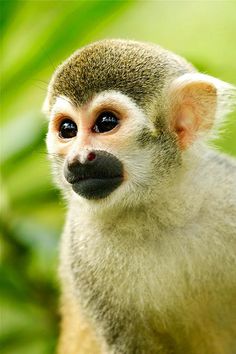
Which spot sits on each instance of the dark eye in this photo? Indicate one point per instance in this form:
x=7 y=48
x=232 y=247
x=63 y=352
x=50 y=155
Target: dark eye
x=68 y=129
x=105 y=122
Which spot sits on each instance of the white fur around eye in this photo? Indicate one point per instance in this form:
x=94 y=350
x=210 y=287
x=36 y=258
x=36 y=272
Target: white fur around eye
x=63 y=105
x=124 y=103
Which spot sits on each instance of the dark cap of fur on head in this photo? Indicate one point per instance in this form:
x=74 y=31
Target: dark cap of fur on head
x=136 y=69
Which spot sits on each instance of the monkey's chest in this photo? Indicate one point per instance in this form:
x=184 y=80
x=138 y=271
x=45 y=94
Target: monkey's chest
x=123 y=279
x=129 y=289
x=115 y=287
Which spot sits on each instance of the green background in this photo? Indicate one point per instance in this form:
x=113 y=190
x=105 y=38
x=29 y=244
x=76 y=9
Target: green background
x=36 y=37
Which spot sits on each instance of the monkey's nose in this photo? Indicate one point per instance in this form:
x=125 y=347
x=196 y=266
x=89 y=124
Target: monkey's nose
x=83 y=159
x=91 y=156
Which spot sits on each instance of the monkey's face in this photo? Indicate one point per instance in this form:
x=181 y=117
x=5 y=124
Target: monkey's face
x=121 y=115
x=104 y=148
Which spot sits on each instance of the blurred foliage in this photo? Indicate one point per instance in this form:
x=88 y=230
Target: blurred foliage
x=36 y=37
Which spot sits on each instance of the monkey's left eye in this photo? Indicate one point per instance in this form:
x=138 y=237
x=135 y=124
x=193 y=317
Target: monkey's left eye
x=68 y=129
x=105 y=122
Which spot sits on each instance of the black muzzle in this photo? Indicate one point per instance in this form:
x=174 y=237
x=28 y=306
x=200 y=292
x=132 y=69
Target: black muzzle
x=97 y=177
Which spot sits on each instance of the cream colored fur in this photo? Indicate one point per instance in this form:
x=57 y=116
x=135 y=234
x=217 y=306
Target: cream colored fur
x=151 y=269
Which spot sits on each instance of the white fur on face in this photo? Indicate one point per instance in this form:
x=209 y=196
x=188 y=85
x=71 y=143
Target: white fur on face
x=122 y=142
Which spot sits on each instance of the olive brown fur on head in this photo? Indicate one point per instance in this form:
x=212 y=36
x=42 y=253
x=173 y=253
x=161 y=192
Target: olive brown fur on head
x=139 y=70
x=144 y=72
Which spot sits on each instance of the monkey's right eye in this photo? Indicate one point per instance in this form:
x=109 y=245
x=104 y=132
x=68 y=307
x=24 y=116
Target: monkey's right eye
x=68 y=129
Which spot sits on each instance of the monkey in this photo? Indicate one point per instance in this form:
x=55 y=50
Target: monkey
x=148 y=251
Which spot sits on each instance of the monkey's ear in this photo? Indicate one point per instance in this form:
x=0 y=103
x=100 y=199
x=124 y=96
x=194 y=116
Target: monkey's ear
x=196 y=102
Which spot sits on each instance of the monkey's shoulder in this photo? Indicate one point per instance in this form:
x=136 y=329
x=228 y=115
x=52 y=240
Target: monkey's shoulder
x=223 y=161
x=224 y=169
x=219 y=204
x=220 y=173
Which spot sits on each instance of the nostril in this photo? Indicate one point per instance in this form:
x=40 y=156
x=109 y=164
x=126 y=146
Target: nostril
x=91 y=156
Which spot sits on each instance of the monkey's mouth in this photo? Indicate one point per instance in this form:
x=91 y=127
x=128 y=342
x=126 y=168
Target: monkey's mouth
x=96 y=188
x=96 y=178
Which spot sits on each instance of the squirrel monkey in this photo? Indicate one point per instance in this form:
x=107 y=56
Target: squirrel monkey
x=148 y=253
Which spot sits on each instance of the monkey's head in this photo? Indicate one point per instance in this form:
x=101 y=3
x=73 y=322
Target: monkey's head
x=122 y=116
